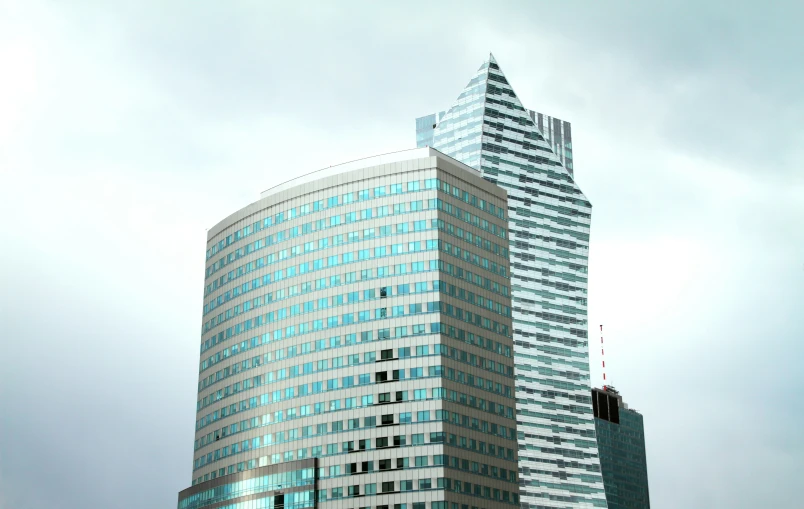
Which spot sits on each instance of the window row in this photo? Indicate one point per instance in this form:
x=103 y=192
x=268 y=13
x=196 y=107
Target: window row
x=371 y=295
x=354 y=318
x=320 y=345
x=290 y=214
x=469 y=218
x=325 y=242
x=347 y=198
x=354 y=490
x=347 y=278
x=361 y=401
x=474 y=240
x=463 y=487
x=292 y=413
x=349 y=446
x=395 y=463
x=443 y=328
x=354 y=380
x=347 y=258
x=270 y=482
x=321 y=243
x=454 y=418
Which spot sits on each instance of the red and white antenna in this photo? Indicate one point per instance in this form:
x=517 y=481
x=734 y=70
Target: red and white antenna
x=603 y=360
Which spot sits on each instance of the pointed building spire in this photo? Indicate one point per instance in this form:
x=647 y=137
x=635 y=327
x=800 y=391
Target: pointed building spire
x=487 y=112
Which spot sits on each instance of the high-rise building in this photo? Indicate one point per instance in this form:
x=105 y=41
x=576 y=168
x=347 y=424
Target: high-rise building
x=356 y=347
x=557 y=132
x=621 y=443
x=489 y=129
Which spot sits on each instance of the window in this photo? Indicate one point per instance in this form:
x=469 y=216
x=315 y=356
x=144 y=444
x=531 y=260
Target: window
x=385 y=397
x=405 y=417
x=405 y=485
x=387 y=487
x=387 y=419
x=382 y=442
x=399 y=440
x=381 y=376
x=386 y=354
x=417 y=439
x=354 y=490
x=385 y=464
x=425 y=484
x=421 y=461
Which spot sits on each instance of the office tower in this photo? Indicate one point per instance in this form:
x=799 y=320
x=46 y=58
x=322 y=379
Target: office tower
x=488 y=129
x=621 y=443
x=356 y=346
x=557 y=132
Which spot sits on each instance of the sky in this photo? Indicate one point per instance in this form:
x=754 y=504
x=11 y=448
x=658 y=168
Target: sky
x=129 y=128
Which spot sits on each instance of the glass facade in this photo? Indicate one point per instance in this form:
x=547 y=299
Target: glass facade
x=621 y=443
x=488 y=128
x=356 y=345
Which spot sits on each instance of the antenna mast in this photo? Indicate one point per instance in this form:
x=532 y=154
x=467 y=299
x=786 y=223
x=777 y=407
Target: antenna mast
x=603 y=360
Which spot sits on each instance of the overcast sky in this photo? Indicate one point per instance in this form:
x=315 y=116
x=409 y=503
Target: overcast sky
x=126 y=131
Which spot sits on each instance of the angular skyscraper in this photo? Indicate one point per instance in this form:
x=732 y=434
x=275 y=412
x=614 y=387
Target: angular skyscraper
x=621 y=442
x=356 y=346
x=488 y=128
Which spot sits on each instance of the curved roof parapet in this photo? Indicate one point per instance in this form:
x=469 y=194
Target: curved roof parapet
x=366 y=162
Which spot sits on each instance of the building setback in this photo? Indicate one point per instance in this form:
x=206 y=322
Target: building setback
x=621 y=442
x=356 y=347
x=489 y=129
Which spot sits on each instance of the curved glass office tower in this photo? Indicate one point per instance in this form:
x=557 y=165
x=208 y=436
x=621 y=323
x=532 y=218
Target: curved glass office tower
x=488 y=129
x=356 y=346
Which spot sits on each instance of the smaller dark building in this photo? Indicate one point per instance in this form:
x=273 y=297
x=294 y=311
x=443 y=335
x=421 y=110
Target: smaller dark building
x=621 y=445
